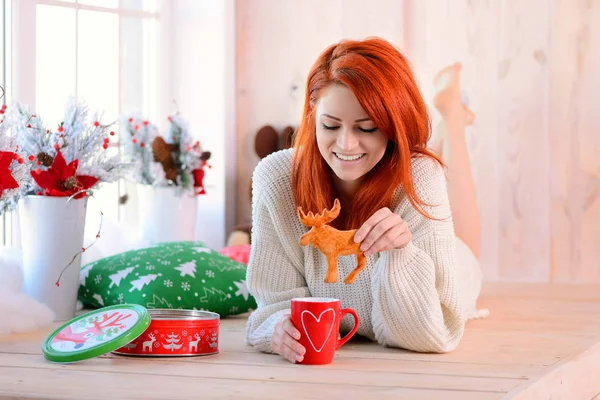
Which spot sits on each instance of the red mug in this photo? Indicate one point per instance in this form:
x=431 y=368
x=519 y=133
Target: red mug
x=318 y=320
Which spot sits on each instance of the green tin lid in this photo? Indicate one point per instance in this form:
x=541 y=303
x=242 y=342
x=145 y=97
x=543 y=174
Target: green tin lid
x=95 y=333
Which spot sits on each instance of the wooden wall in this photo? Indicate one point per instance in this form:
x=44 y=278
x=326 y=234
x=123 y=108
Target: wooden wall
x=530 y=73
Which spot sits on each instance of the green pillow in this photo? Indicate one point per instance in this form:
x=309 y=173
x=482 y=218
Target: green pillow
x=185 y=275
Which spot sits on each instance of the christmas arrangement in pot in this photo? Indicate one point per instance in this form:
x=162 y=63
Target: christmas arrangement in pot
x=169 y=170
x=48 y=173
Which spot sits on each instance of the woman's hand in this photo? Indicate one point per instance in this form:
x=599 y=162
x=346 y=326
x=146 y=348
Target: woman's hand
x=384 y=230
x=284 y=340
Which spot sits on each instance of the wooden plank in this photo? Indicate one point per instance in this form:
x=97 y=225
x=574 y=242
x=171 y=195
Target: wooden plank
x=555 y=291
x=383 y=18
x=503 y=348
x=479 y=24
x=575 y=377
x=575 y=142
x=522 y=141
x=73 y=384
x=279 y=371
x=348 y=363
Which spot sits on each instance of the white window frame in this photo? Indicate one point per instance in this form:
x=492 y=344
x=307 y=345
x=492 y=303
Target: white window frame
x=22 y=43
x=212 y=25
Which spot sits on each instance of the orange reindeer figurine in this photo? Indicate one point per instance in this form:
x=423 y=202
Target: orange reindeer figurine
x=331 y=242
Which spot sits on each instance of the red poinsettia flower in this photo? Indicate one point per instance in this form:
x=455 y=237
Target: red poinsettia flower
x=60 y=179
x=7 y=181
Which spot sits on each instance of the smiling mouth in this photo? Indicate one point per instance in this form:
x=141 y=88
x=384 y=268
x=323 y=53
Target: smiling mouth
x=353 y=157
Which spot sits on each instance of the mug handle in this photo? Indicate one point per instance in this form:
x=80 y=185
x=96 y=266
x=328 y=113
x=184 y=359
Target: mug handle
x=343 y=312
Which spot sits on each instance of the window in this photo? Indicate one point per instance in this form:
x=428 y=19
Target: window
x=5 y=231
x=103 y=52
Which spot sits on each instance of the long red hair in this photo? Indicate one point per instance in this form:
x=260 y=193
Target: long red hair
x=382 y=81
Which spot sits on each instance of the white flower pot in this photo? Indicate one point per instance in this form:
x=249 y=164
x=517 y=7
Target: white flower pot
x=167 y=214
x=51 y=234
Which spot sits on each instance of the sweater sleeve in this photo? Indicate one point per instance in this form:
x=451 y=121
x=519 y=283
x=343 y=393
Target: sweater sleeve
x=416 y=301
x=274 y=274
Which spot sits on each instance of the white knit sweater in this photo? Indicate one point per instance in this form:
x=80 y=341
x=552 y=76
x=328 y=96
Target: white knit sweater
x=417 y=298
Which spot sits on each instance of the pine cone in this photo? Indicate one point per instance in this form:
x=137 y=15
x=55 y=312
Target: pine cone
x=171 y=174
x=205 y=156
x=45 y=159
x=162 y=154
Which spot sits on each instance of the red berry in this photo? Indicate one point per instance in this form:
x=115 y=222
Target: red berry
x=198 y=144
x=142 y=144
x=47 y=130
x=56 y=146
x=83 y=249
x=38 y=171
x=130 y=119
x=31 y=158
x=57 y=284
x=29 y=125
x=106 y=140
x=146 y=123
x=2 y=111
x=112 y=133
x=136 y=127
x=134 y=140
x=61 y=129
x=15 y=156
x=170 y=119
x=105 y=146
x=96 y=123
x=20 y=160
x=38 y=193
x=188 y=148
x=37 y=163
x=4 y=106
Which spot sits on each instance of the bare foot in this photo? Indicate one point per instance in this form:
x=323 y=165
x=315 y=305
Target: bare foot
x=447 y=99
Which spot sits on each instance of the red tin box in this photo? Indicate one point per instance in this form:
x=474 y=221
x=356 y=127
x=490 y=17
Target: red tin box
x=176 y=333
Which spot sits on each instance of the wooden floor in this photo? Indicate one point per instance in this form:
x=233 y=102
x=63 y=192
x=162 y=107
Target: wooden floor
x=540 y=342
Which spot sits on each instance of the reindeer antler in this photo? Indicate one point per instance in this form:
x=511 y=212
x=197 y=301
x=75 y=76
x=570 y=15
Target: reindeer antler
x=308 y=220
x=329 y=215
x=324 y=218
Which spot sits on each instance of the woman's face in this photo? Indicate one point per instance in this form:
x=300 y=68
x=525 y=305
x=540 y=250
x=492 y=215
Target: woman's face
x=347 y=139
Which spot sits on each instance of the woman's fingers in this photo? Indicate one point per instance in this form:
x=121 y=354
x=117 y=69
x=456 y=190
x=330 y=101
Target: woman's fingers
x=398 y=243
x=291 y=338
x=384 y=232
x=387 y=240
x=288 y=327
x=369 y=224
x=283 y=341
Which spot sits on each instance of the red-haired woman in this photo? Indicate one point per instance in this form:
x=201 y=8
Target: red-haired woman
x=363 y=140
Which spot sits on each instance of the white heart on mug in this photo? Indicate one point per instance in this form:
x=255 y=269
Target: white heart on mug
x=318 y=321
